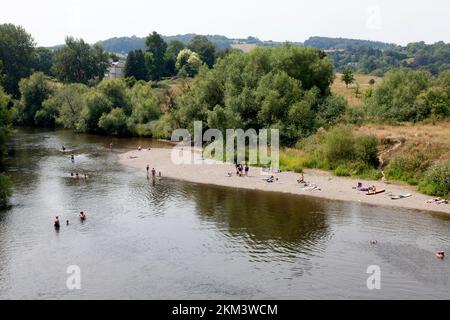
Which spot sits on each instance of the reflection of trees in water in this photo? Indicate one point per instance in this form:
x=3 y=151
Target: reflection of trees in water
x=262 y=216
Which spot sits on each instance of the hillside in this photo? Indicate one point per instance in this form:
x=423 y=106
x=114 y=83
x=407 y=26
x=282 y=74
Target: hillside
x=361 y=80
x=127 y=44
x=342 y=43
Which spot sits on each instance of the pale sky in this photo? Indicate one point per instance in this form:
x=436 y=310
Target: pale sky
x=397 y=21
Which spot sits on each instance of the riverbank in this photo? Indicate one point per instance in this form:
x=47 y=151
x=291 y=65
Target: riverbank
x=331 y=187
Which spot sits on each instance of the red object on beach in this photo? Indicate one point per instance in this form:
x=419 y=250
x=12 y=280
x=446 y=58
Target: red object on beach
x=372 y=193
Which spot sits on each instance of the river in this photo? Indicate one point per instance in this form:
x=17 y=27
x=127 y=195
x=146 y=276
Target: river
x=176 y=240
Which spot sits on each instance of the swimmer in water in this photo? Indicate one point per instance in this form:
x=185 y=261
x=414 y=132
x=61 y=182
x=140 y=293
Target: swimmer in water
x=56 y=223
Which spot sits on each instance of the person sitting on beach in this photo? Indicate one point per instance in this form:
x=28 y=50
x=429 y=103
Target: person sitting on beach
x=301 y=178
x=139 y=148
x=82 y=216
x=440 y=254
x=56 y=223
x=271 y=179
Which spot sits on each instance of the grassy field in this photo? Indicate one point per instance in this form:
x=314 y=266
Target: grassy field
x=350 y=93
x=245 y=47
x=431 y=140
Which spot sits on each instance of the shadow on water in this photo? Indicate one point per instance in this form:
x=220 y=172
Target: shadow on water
x=277 y=220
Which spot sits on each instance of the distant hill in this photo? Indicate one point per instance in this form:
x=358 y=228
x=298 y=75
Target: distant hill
x=342 y=43
x=123 y=45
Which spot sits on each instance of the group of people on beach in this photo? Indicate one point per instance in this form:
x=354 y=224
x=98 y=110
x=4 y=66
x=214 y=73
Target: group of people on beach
x=242 y=170
x=57 y=224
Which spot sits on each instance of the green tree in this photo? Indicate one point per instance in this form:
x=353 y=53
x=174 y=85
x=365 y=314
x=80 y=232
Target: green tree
x=135 y=66
x=171 y=56
x=69 y=101
x=204 y=48
x=188 y=63
x=285 y=88
x=96 y=104
x=347 y=77
x=116 y=92
x=43 y=60
x=34 y=91
x=78 y=62
x=17 y=55
x=114 y=122
x=157 y=47
x=5 y=123
x=395 y=98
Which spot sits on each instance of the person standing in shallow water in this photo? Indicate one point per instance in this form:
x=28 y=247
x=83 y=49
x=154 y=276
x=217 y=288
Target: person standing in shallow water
x=72 y=158
x=148 y=168
x=56 y=223
x=153 y=172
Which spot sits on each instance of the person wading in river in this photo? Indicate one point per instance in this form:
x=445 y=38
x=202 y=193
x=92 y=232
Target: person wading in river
x=56 y=223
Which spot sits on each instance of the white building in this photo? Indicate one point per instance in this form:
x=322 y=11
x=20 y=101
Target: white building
x=115 y=70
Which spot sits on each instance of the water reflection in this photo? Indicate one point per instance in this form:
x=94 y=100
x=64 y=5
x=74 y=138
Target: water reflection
x=262 y=216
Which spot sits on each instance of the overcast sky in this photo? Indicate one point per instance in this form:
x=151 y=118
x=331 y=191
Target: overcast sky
x=398 y=21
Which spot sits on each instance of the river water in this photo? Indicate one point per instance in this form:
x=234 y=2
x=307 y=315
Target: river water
x=176 y=240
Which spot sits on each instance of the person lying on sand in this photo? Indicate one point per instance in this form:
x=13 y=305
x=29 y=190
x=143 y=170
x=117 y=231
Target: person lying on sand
x=132 y=157
x=438 y=201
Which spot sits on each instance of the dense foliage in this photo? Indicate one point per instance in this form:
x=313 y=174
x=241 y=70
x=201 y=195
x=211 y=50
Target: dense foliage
x=434 y=58
x=79 y=62
x=5 y=121
x=285 y=88
x=408 y=95
x=16 y=56
x=108 y=108
x=343 y=43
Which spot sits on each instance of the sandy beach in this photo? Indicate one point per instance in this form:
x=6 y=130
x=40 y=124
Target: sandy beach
x=331 y=187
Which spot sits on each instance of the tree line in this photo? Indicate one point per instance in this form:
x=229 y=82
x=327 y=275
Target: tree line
x=434 y=58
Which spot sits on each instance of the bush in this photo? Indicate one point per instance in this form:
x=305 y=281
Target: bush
x=339 y=145
x=342 y=171
x=407 y=168
x=366 y=149
x=5 y=190
x=436 y=181
x=114 y=123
